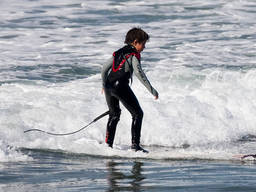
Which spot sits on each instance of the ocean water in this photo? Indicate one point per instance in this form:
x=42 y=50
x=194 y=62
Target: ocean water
x=201 y=58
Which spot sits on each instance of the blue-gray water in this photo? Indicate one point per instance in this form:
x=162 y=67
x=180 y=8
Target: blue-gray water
x=56 y=171
x=201 y=59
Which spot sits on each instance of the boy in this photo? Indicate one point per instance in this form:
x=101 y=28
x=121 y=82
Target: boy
x=116 y=74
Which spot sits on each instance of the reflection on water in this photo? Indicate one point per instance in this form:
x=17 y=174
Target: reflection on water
x=52 y=170
x=127 y=179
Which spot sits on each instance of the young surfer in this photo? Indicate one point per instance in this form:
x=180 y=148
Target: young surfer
x=116 y=74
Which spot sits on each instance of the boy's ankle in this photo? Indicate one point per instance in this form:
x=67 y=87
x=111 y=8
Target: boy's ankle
x=137 y=147
x=109 y=145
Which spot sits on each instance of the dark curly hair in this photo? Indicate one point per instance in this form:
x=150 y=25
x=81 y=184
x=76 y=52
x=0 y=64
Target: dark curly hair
x=136 y=34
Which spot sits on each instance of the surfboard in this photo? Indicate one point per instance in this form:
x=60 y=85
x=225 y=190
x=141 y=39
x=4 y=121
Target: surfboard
x=246 y=157
x=128 y=148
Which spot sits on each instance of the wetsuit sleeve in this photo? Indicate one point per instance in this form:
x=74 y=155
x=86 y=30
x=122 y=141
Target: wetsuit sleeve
x=105 y=70
x=142 y=77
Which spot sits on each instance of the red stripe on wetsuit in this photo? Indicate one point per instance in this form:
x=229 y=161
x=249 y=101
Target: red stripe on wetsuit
x=137 y=55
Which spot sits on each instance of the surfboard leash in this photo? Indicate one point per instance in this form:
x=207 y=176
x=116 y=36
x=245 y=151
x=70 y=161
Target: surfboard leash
x=71 y=133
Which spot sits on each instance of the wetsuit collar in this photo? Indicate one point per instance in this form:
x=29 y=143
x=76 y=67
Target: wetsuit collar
x=132 y=47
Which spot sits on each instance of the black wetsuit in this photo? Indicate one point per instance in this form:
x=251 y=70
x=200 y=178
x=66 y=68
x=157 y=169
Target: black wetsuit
x=116 y=76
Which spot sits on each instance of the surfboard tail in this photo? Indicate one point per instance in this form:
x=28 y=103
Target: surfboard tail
x=245 y=156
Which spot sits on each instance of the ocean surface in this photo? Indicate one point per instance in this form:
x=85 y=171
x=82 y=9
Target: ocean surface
x=201 y=58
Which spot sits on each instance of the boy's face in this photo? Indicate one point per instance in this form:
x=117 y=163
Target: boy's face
x=139 y=46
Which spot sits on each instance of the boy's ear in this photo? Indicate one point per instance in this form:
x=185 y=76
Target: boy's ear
x=135 y=42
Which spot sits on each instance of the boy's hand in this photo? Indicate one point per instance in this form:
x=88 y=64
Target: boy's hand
x=155 y=93
x=102 y=91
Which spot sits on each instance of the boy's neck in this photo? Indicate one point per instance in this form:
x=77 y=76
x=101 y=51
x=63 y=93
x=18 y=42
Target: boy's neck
x=132 y=46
